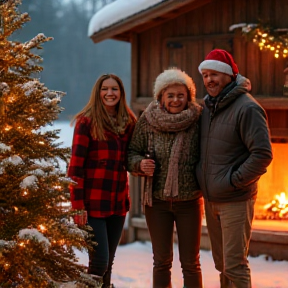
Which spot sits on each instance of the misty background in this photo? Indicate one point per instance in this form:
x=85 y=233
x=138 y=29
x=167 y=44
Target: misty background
x=72 y=62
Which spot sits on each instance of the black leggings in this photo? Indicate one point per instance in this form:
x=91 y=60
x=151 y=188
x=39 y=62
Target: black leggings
x=107 y=233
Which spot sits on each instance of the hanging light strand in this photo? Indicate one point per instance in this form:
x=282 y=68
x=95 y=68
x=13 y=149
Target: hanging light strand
x=266 y=37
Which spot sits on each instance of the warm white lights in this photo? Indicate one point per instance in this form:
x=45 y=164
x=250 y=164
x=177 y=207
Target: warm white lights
x=42 y=228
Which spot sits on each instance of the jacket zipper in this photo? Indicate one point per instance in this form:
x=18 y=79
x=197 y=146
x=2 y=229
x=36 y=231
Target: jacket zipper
x=210 y=121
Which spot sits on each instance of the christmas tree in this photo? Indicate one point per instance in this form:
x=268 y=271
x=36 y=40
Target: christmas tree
x=37 y=236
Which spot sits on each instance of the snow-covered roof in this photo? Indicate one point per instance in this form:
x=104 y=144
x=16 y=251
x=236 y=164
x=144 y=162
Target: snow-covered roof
x=116 y=12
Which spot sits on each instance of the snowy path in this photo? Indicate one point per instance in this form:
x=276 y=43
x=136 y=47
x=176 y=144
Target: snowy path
x=133 y=262
x=133 y=269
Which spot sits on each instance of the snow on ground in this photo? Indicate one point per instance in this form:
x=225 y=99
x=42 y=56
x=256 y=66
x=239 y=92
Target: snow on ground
x=133 y=268
x=65 y=133
x=133 y=262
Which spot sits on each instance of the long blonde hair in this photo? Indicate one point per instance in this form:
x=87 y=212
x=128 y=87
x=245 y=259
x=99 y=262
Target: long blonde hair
x=96 y=111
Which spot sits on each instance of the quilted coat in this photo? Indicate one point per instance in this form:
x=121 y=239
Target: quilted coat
x=235 y=147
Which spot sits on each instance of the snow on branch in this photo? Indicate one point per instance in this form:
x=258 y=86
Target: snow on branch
x=6 y=244
x=30 y=87
x=29 y=181
x=14 y=160
x=33 y=234
x=38 y=172
x=4 y=148
x=36 y=41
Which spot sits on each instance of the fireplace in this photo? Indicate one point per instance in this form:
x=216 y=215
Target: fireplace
x=269 y=229
x=270 y=224
x=272 y=200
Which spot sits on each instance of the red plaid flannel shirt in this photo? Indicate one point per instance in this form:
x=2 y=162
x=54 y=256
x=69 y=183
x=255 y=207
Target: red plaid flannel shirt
x=99 y=168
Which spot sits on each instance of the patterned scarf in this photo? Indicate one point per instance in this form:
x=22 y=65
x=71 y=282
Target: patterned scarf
x=118 y=129
x=161 y=120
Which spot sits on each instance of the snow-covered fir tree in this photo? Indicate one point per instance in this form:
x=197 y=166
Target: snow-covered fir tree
x=37 y=236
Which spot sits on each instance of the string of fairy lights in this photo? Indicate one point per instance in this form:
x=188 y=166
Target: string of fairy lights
x=266 y=37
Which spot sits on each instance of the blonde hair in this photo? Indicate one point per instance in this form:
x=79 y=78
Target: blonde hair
x=96 y=111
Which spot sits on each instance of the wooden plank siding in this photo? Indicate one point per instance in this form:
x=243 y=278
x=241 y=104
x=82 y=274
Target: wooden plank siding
x=215 y=18
x=183 y=41
x=181 y=33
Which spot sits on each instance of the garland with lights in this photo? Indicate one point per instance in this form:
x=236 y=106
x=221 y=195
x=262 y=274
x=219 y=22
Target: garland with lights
x=266 y=37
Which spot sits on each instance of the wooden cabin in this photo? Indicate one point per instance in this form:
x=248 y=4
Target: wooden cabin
x=181 y=33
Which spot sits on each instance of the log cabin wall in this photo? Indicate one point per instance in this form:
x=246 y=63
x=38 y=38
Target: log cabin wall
x=184 y=41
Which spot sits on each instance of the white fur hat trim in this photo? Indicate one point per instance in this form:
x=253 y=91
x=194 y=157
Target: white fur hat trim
x=216 y=66
x=173 y=76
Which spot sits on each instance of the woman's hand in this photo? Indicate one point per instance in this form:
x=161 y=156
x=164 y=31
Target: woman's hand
x=147 y=166
x=80 y=219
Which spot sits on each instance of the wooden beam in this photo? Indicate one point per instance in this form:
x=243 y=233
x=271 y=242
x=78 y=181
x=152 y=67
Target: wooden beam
x=277 y=103
x=134 y=68
x=280 y=134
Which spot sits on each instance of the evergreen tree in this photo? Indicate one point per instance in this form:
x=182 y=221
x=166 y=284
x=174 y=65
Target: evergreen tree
x=37 y=236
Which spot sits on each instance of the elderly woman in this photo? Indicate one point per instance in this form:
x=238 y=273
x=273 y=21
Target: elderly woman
x=165 y=148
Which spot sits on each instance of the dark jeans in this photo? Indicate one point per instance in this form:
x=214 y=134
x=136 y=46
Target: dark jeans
x=187 y=216
x=107 y=233
x=229 y=226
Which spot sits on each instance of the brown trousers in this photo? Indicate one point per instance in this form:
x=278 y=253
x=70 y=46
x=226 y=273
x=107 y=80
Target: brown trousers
x=187 y=216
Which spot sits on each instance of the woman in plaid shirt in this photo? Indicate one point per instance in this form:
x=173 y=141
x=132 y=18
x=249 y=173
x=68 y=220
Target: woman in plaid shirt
x=98 y=165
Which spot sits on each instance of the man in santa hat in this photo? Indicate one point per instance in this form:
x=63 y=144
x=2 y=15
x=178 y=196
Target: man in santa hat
x=235 y=152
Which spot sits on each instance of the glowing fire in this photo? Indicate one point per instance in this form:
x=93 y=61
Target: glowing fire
x=278 y=207
x=275 y=181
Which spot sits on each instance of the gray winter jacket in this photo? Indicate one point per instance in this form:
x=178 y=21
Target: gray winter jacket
x=235 y=147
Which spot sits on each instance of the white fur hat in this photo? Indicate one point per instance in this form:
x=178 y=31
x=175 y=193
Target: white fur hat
x=173 y=76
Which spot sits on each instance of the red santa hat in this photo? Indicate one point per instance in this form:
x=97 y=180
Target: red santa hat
x=221 y=61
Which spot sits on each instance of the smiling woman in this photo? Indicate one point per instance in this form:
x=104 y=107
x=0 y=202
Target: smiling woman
x=175 y=98
x=98 y=166
x=110 y=95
